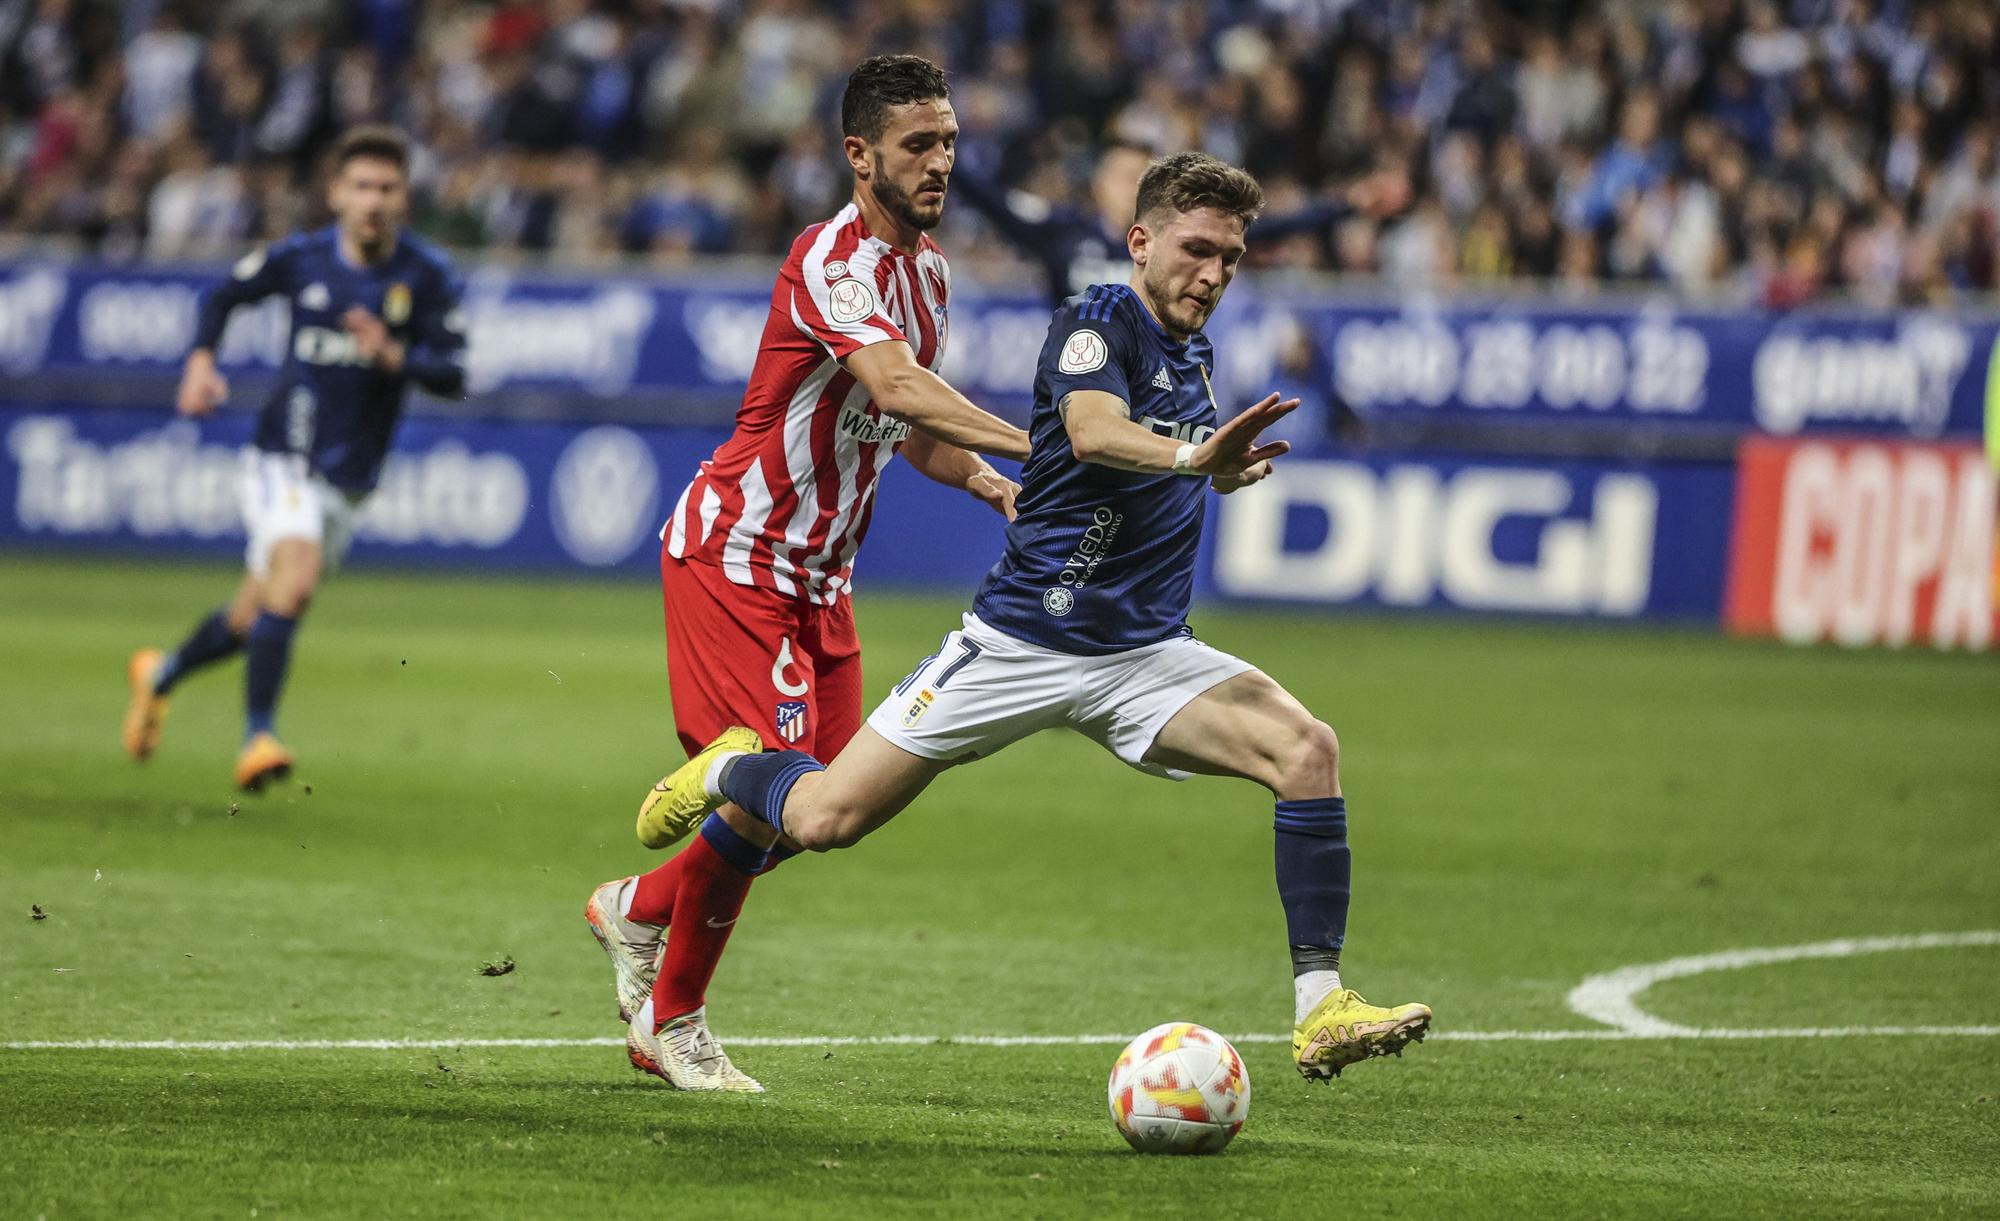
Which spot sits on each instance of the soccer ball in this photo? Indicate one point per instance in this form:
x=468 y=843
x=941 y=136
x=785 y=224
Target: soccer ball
x=1179 y=1088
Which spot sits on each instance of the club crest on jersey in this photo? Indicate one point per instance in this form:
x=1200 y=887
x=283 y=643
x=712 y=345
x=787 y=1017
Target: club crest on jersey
x=1058 y=601
x=918 y=707
x=850 y=301
x=315 y=296
x=396 y=305
x=791 y=720
x=1083 y=352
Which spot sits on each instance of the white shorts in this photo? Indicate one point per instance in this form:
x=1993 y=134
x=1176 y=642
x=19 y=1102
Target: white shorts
x=284 y=498
x=985 y=689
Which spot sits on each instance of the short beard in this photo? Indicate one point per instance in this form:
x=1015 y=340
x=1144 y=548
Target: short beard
x=1166 y=304
x=373 y=250
x=899 y=202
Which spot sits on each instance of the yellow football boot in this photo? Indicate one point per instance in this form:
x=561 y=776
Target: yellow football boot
x=679 y=802
x=263 y=759
x=1343 y=1029
x=146 y=711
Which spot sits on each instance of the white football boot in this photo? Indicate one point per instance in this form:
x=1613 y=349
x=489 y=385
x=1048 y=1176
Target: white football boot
x=634 y=948
x=684 y=1053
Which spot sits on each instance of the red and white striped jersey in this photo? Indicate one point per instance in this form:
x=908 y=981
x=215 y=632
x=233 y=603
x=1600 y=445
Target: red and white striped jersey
x=786 y=500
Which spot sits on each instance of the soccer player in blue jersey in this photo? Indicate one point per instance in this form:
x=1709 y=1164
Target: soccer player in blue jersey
x=1083 y=622
x=374 y=308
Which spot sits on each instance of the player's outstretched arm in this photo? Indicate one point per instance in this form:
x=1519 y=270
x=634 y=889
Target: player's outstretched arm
x=918 y=397
x=1101 y=431
x=256 y=275
x=945 y=463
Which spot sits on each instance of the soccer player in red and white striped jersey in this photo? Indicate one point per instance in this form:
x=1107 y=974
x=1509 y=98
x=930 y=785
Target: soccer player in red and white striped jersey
x=758 y=555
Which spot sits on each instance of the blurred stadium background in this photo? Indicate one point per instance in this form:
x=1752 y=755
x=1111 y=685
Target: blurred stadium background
x=1679 y=316
x=1569 y=290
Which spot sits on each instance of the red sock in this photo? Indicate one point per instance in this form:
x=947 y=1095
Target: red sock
x=653 y=894
x=709 y=898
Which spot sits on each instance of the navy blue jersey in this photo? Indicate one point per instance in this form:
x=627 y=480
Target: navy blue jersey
x=328 y=404
x=1100 y=560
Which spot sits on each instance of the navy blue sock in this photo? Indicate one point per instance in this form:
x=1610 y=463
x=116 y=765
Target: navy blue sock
x=760 y=783
x=778 y=855
x=270 y=649
x=1315 y=869
x=742 y=855
x=211 y=641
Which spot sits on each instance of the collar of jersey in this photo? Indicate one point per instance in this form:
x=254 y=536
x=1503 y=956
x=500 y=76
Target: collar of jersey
x=1124 y=293
x=340 y=253
x=888 y=248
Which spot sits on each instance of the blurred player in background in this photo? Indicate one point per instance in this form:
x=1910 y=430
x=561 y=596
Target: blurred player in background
x=1083 y=623
x=1075 y=248
x=759 y=553
x=373 y=308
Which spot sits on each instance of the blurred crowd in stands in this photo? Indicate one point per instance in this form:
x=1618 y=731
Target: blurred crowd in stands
x=1764 y=150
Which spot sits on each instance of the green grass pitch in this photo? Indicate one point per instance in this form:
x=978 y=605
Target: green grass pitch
x=1532 y=804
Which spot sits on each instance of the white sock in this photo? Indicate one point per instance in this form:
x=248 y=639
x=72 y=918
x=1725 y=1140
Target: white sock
x=1310 y=989
x=625 y=893
x=712 y=779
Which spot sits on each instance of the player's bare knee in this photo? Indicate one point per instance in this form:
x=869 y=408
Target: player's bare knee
x=1311 y=766
x=290 y=601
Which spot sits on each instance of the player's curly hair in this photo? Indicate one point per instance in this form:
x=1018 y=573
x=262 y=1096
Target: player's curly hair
x=1187 y=181
x=375 y=142
x=885 y=81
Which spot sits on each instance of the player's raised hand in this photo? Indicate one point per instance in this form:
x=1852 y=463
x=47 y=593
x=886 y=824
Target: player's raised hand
x=372 y=340
x=1225 y=484
x=202 y=388
x=995 y=489
x=369 y=332
x=1232 y=449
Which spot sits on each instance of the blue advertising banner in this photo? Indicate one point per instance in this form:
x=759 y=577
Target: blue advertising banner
x=1598 y=539
x=679 y=351
x=463 y=493
x=1911 y=373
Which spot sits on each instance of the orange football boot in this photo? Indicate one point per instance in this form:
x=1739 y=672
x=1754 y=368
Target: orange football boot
x=263 y=760
x=146 y=711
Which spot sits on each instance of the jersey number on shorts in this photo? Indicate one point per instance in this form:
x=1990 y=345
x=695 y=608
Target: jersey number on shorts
x=966 y=652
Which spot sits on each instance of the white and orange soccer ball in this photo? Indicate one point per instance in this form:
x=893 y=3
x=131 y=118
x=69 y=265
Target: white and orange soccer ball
x=1179 y=1088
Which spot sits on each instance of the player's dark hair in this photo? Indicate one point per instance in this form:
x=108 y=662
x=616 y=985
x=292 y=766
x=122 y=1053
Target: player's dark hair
x=885 y=81
x=376 y=143
x=1187 y=181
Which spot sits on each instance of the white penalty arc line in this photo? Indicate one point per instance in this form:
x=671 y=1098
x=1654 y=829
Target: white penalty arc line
x=968 y=1040
x=1613 y=997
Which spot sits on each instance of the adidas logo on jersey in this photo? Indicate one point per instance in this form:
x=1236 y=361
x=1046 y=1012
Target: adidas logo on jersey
x=1161 y=379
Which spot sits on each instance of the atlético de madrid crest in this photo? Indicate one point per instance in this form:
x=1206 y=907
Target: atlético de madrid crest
x=792 y=720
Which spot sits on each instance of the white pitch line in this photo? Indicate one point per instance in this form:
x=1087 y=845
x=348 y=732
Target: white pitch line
x=979 y=1040
x=1613 y=997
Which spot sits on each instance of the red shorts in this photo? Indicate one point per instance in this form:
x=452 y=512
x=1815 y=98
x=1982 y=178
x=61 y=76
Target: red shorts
x=740 y=655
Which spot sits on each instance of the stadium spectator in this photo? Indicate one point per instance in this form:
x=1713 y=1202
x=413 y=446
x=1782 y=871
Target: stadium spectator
x=1772 y=151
